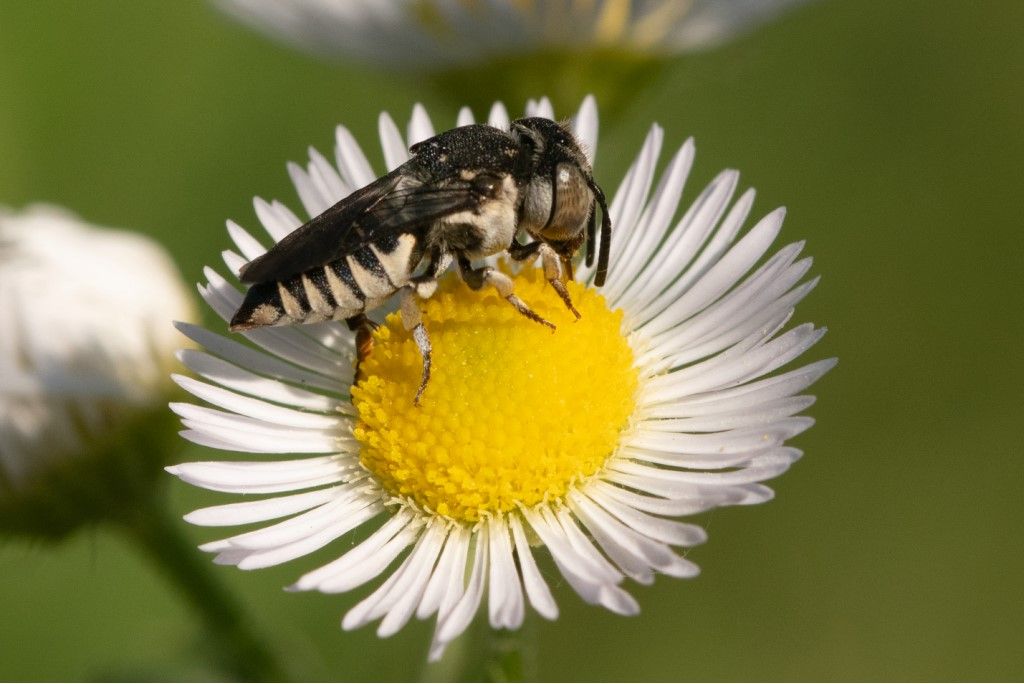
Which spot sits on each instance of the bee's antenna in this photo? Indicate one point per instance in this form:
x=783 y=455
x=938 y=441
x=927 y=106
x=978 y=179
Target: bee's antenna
x=591 y=236
x=606 y=235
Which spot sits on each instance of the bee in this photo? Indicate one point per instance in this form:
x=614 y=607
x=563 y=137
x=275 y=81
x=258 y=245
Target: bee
x=464 y=195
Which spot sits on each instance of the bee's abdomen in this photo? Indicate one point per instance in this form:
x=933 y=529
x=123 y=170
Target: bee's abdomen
x=338 y=290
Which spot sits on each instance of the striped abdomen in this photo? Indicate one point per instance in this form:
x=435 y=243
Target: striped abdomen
x=340 y=289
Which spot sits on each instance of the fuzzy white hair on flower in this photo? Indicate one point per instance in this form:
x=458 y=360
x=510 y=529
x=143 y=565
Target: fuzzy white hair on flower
x=586 y=445
x=85 y=335
x=418 y=33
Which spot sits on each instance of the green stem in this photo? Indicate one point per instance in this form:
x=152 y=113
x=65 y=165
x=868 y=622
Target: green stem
x=242 y=651
x=510 y=656
x=488 y=655
x=505 y=656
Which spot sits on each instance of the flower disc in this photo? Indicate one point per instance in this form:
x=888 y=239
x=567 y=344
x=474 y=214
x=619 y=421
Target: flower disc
x=514 y=412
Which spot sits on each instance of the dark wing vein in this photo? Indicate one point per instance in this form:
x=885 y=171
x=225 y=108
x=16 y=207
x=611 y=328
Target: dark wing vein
x=392 y=204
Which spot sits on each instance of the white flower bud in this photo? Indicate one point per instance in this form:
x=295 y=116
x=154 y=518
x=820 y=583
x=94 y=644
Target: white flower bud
x=86 y=340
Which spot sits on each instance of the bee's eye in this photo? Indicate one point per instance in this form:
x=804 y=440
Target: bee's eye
x=486 y=185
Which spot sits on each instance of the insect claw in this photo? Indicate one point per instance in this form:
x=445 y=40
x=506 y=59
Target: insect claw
x=419 y=334
x=522 y=308
x=560 y=288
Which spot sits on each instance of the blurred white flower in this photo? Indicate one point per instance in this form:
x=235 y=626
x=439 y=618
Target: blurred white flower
x=586 y=443
x=86 y=339
x=445 y=33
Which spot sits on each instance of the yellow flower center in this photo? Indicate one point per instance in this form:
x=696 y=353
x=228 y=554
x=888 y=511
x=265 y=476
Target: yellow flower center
x=514 y=413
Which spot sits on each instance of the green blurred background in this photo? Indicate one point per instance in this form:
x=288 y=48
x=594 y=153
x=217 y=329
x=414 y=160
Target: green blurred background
x=892 y=131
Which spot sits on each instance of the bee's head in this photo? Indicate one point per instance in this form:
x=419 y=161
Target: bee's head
x=559 y=191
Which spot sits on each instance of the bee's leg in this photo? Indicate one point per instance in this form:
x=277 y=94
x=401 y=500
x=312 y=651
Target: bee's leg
x=556 y=269
x=412 y=320
x=363 y=328
x=422 y=287
x=476 y=278
x=521 y=252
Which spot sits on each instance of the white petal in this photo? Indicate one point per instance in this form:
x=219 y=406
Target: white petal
x=771 y=316
x=630 y=543
x=355 y=169
x=311 y=194
x=506 y=595
x=241 y=380
x=446 y=582
x=325 y=176
x=373 y=566
x=617 y=600
x=234 y=261
x=498 y=116
x=618 y=549
x=720 y=277
x=264 y=364
x=695 y=461
x=216 y=474
x=401 y=586
x=628 y=203
x=659 y=529
x=568 y=561
x=309 y=543
x=726 y=370
x=544 y=109
x=420 y=127
x=591 y=579
x=750 y=415
x=325 y=575
x=740 y=440
x=274 y=222
x=583 y=545
x=240 y=433
x=400 y=613
x=395 y=151
x=642 y=243
x=455 y=623
x=245 y=512
x=664 y=278
x=285 y=215
x=762 y=467
x=259 y=410
x=465 y=117
x=585 y=126
x=536 y=588
x=745 y=396
x=657 y=363
x=696 y=499
x=757 y=292
x=246 y=243
x=338 y=507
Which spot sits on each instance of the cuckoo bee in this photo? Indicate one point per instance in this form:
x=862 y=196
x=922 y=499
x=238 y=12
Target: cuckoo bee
x=463 y=195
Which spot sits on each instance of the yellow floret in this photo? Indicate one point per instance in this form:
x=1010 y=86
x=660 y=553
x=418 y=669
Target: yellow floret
x=514 y=413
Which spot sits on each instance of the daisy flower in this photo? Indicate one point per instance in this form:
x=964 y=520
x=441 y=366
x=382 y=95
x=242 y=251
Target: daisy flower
x=446 y=33
x=585 y=445
x=85 y=350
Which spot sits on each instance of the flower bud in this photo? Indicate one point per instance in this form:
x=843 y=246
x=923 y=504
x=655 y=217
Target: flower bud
x=86 y=343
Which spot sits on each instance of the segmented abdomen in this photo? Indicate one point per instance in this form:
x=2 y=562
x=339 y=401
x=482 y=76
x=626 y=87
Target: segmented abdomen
x=340 y=289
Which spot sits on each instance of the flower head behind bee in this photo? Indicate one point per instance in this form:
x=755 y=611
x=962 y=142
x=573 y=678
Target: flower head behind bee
x=442 y=33
x=566 y=48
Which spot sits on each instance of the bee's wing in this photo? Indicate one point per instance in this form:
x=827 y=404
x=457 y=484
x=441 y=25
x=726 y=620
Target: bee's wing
x=396 y=203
